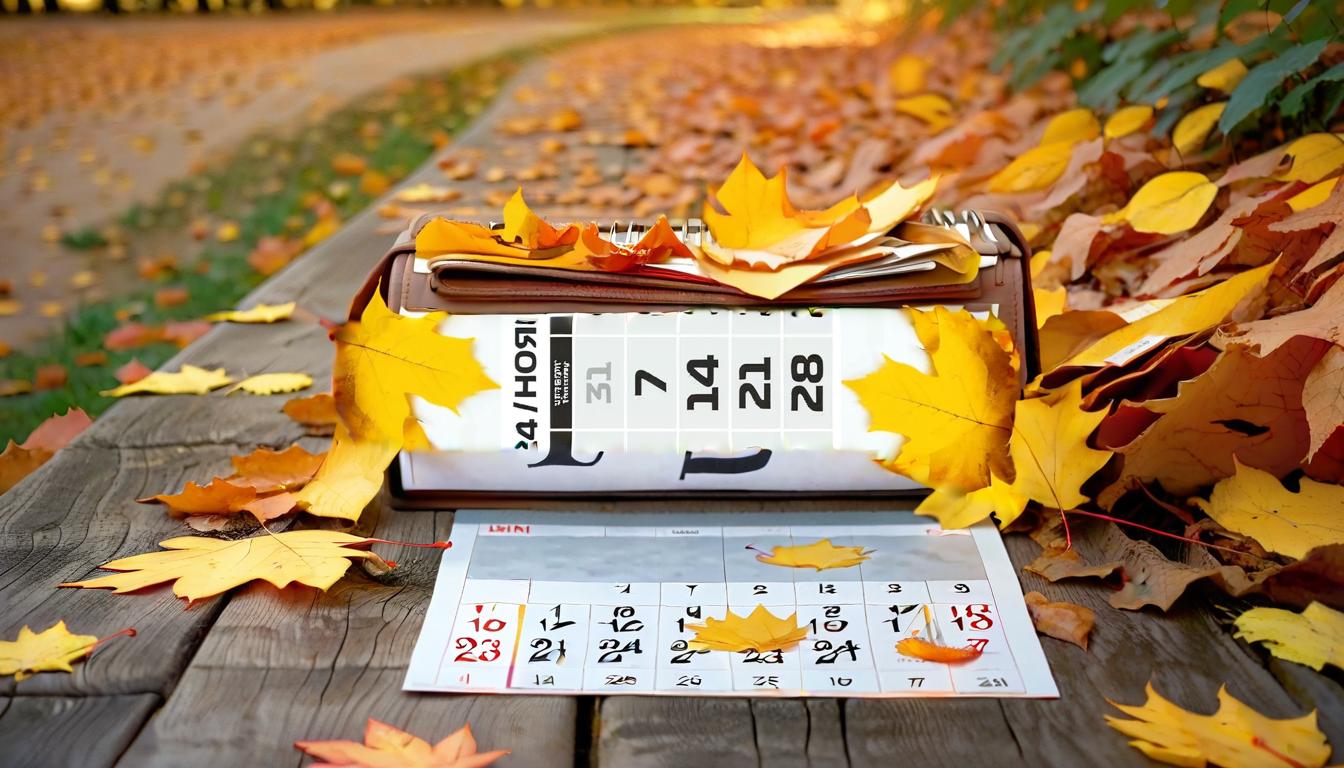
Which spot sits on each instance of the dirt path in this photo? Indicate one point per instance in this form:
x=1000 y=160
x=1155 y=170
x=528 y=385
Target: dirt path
x=74 y=161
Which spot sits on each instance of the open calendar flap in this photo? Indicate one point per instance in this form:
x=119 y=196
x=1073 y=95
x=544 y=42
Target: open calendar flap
x=660 y=381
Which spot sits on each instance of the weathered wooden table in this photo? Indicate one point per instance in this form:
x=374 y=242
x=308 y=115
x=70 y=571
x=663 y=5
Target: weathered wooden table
x=237 y=679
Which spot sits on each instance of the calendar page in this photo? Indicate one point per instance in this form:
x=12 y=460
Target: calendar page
x=706 y=399
x=577 y=603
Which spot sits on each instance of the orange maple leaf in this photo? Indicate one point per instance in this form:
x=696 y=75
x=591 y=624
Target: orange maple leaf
x=386 y=746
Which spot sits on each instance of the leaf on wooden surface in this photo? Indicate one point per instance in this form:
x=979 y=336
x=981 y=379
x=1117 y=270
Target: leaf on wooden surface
x=1235 y=735
x=819 y=555
x=201 y=567
x=17 y=462
x=383 y=347
x=219 y=496
x=385 y=747
x=317 y=413
x=261 y=313
x=267 y=470
x=955 y=434
x=1062 y=621
x=1057 y=559
x=51 y=650
x=273 y=383
x=1255 y=503
x=1314 y=637
x=919 y=648
x=190 y=380
x=760 y=631
x=1167 y=204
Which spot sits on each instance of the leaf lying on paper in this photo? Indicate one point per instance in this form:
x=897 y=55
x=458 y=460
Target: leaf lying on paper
x=820 y=555
x=1255 y=503
x=1235 y=735
x=955 y=434
x=1064 y=621
x=201 y=567
x=385 y=746
x=918 y=648
x=380 y=348
x=1314 y=637
x=190 y=380
x=262 y=313
x=759 y=631
x=528 y=230
x=273 y=383
x=51 y=650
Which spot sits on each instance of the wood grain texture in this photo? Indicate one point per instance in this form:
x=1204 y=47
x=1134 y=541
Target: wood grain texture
x=75 y=731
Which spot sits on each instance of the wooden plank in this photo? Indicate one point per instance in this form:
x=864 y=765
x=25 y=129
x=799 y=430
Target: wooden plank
x=302 y=664
x=76 y=731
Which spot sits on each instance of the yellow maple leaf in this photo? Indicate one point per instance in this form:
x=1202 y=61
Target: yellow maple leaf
x=527 y=229
x=1314 y=637
x=1225 y=77
x=1191 y=313
x=820 y=555
x=385 y=746
x=759 y=631
x=50 y=650
x=957 y=420
x=272 y=383
x=757 y=211
x=262 y=313
x=1235 y=735
x=1037 y=168
x=955 y=508
x=1254 y=503
x=200 y=567
x=1167 y=204
x=380 y=359
x=190 y=380
x=1193 y=129
x=1071 y=127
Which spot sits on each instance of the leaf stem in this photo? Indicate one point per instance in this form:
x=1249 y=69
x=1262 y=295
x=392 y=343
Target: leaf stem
x=127 y=632
x=1141 y=526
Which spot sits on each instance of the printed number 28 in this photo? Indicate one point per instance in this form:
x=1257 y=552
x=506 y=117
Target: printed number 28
x=806 y=369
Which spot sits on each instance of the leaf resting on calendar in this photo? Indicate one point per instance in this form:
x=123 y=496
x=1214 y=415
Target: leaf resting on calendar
x=200 y=567
x=385 y=746
x=956 y=420
x=919 y=648
x=381 y=359
x=759 y=631
x=820 y=555
x=1235 y=735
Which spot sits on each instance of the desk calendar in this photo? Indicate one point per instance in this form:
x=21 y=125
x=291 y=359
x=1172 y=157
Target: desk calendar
x=578 y=603
x=700 y=400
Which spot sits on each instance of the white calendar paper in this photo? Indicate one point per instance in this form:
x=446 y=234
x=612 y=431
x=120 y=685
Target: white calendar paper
x=600 y=603
x=700 y=400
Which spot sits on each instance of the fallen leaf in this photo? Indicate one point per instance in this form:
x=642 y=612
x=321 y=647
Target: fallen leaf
x=1063 y=621
x=384 y=347
x=219 y=496
x=202 y=567
x=1127 y=120
x=1314 y=637
x=1255 y=503
x=525 y=228
x=918 y=648
x=261 y=313
x=1071 y=127
x=1051 y=457
x=386 y=747
x=57 y=431
x=190 y=380
x=17 y=462
x=49 y=377
x=820 y=555
x=51 y=650
x=91 y=359
x=1235 y=735
x=1167 y=204
x=1321 y=398
x=1194 y=128
x=1324 y=320
x=955 y=434
x=273 y=383
x=317 y=413
x=1225 y=77
x=132 y=335
x=1037 y=168
x=184 y=332
x=1312 y=158
x=760 y=631
x=267 y=470
x=132 y=372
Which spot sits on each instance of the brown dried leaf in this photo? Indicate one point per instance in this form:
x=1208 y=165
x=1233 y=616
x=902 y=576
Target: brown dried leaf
x=1064 y=621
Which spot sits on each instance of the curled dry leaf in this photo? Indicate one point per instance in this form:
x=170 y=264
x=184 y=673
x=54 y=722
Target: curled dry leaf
x=385 y=746
x=760 y=631
x=819 y=555
x=918 y=648
x=1063 y=621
